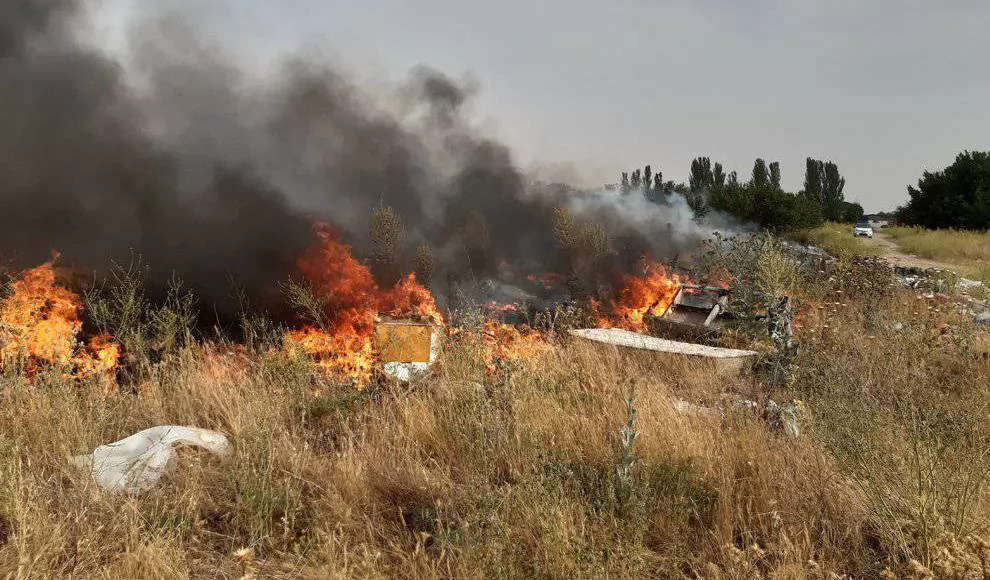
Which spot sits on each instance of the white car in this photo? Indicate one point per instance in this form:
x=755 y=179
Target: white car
x=863 y=229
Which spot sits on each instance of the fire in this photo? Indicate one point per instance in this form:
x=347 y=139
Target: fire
x=341 y=354
x=39 y=325
x=101 y=357
x=508 y=342
x=650 y=294
x=353 y=302
x=408 y=299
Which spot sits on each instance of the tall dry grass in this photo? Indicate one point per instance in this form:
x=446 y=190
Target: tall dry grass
x=837 y=239
x=525 y=473
x=967 y=249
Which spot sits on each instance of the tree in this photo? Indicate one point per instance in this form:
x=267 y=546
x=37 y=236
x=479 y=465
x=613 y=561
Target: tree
x=956 y=197
x=761 y=177
x=813 y=180
x=583 y=248
x=647 y=181
x=424 y=264
x=832 y=186
x=637 y=180
x=763 y=201
x=850 y=212
x=718 y=176
x=702 y=177
x=775 y=174
x=387 y=232
x=658 y=182
x=824 y=184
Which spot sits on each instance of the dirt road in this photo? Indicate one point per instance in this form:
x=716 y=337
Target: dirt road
x=889 y=249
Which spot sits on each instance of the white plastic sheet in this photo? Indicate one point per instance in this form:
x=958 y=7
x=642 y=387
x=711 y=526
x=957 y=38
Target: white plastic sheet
x=135 y=464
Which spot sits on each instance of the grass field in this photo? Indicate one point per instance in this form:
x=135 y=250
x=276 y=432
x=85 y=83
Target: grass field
x=968 y=250
x=837 y=239
x=524 y=473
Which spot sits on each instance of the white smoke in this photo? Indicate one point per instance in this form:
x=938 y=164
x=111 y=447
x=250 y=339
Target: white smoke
x=669 y=223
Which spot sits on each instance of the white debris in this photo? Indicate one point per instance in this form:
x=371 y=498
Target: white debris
x=136 y=463
x=618 y=337
x=966 y=286
x=405 y=371
x=780 y=417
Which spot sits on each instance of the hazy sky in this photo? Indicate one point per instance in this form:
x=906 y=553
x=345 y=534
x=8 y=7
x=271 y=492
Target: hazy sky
x=885 y=88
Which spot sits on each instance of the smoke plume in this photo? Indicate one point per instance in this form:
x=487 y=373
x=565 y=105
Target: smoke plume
x=218 y=177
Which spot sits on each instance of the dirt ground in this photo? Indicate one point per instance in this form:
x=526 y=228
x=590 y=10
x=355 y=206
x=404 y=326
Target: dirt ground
x=890 y=250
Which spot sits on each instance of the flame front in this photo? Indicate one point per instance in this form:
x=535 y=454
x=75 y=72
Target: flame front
x=353 y=302
x=640 y=296
x=39 y=325
x=502 y=342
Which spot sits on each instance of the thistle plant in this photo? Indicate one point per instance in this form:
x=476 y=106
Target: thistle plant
x=626 y=455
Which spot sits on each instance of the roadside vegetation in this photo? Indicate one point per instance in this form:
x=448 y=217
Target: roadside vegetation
x=967 y=249
x=955 y=197
x=760 y=200
x=575 y=463
x=836 y=239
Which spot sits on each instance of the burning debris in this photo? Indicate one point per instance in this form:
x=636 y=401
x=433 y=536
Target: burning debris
x=641 y=296
x=350 y=303
x=40 y=326
x=406 y=348
x=354 y=326
x=662 y=303
x=696 y=313
x=505 y=342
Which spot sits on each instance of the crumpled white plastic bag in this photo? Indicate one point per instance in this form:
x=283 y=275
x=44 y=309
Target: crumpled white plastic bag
x=136 y=463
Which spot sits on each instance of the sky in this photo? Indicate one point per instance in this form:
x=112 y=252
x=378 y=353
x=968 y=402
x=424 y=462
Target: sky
x=581 y=90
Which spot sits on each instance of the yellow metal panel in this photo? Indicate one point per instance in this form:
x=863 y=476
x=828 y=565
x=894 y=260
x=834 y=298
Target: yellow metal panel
x=403 y=341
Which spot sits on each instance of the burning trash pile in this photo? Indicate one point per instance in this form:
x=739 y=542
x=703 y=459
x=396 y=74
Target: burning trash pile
x=659 y=302
x=351 y=326
x=40 y=328
x=341 y=339
x=360 y=324
x=218 y=214
x=356 y=317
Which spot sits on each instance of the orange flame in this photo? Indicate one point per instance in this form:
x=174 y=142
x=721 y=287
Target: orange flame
x=353 y=302
x=39 y=324
x=508 y=342
x=650 y=294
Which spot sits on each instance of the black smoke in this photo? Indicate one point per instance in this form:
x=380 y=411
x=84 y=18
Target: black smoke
x=217 y=176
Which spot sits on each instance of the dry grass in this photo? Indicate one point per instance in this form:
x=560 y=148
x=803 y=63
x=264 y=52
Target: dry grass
x=466 y=476
x=837 y=239
x=966 y=249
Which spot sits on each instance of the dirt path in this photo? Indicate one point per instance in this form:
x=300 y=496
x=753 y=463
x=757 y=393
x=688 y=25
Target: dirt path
x=889 y=249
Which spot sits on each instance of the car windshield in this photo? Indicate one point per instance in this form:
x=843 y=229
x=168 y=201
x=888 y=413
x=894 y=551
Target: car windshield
x=862 y=224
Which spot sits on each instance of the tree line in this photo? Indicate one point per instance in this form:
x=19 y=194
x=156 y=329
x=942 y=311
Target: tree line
x=956 y=197
x=761 y=199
